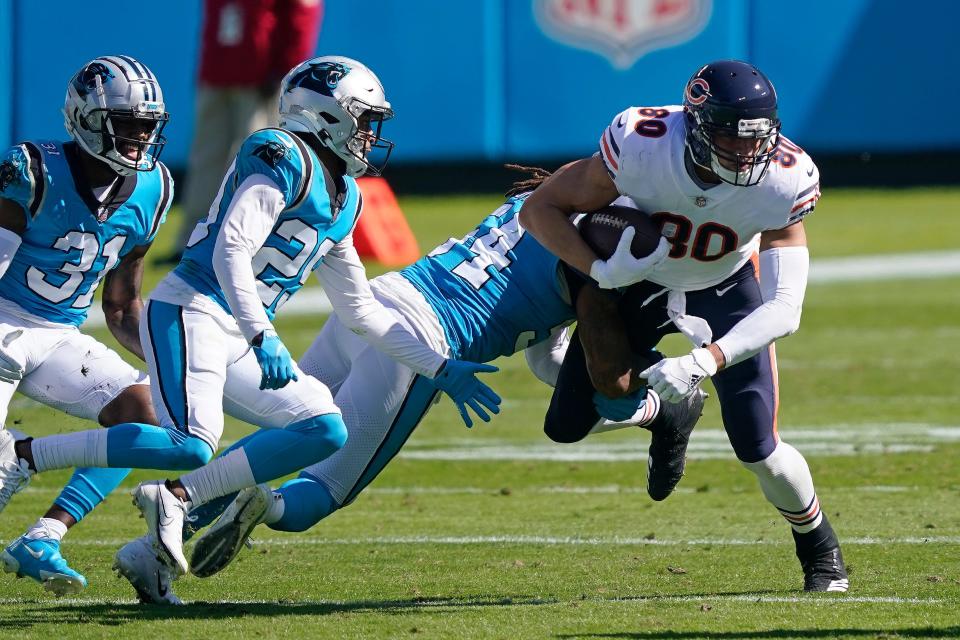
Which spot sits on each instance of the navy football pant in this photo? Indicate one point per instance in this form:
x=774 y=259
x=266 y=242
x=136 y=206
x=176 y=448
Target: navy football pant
x=747 y=391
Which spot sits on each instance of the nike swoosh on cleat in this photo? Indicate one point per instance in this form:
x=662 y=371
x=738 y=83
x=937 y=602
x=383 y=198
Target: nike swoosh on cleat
x=36 y=554
x=720 y=292
x=162 y=518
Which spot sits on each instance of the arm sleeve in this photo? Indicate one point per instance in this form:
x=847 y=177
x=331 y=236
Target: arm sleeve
x=545 y=358
x=247 y=223
x=783 y=282
x=345 y=283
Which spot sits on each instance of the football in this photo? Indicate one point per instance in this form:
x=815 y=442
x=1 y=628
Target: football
x=602 y=230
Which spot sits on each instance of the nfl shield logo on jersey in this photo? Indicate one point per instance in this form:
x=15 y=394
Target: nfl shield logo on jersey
x=622 y=30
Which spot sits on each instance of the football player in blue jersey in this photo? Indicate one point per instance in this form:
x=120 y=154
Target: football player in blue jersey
x=492 y=293
x=287 y=206
x=72 y=214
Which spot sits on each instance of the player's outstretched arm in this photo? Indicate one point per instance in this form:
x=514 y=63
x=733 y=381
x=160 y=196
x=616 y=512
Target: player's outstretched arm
x=345 y=283
x=122 y=303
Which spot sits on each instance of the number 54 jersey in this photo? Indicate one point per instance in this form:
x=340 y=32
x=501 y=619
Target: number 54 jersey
x=496 y=291
x=713 y=229
x=71 y=240
x=307 y=228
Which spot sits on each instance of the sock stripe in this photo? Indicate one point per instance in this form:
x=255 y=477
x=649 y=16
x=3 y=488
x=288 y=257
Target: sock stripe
x=804 y=518
x=806 y=509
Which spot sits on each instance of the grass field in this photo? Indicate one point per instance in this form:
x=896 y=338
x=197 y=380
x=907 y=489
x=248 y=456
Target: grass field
x=497 y=533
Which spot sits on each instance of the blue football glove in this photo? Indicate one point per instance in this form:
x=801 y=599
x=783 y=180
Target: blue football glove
x=619 y=409
x=457 y=379
x=275 y=361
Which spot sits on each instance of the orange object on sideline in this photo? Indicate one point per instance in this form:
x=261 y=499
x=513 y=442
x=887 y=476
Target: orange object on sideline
x=382 y=232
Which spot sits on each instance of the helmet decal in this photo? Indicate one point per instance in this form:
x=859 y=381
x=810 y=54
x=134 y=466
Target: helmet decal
x=322 y=77
x=86 y=81
x=698 y=91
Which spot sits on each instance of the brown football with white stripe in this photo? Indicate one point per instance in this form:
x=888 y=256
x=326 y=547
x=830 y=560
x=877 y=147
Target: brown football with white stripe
x=602 y=229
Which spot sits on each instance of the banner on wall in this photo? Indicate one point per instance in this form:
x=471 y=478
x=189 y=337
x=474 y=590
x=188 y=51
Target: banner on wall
x=622 y=30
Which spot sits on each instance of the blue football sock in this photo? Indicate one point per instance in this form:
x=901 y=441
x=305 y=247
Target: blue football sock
x=273 y=453
x=87 y=488
x=307 y=501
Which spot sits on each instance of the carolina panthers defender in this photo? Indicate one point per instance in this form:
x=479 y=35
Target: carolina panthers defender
x=494 y=292
x=722 y=182
x=286 y=207
x=72 y=214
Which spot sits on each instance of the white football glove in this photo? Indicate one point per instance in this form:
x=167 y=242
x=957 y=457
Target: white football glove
x=11 y=371
x=676 y=378
x=622 y=269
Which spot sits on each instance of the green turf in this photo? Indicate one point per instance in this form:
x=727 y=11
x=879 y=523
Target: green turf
x=534 y=548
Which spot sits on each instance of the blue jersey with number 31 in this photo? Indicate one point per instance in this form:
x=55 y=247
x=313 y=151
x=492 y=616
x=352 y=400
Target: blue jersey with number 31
x=306 y=229
x=496 y=291
x=71 y=242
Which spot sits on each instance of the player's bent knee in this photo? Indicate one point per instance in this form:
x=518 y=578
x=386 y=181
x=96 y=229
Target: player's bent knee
x=558 y=429
x=327 y=431
x=193 y=453
x=755 y=451
x=773 y=462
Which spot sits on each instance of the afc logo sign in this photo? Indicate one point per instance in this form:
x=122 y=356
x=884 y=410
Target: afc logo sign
x=622 y=30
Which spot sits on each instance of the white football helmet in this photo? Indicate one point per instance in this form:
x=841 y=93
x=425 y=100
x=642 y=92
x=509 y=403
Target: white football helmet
x=114 y=110
x=341 y=102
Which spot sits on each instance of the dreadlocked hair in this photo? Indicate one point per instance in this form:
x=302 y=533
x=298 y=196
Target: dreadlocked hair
x=535 y=179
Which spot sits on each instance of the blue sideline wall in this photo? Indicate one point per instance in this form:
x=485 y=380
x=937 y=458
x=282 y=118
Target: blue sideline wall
x=479 y=79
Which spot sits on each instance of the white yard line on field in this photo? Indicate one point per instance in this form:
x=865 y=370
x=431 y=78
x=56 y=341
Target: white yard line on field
x=610 y=489
x=707 y=443
x=756 y=598
x=899 y=266
x=548 y=541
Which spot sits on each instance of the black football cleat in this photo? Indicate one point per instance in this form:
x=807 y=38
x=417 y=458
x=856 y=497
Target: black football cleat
x=671 y=431
x=825 y=572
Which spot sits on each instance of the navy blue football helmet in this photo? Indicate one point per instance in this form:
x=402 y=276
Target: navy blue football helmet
x=733 y=129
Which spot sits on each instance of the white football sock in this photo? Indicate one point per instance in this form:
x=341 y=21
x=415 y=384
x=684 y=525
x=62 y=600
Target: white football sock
x=786 y=482
x=221 y=476
x=275 y=510
x=47 y=528
x=68 y=450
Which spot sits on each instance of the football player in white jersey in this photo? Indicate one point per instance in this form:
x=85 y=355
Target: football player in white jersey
x=723 y=184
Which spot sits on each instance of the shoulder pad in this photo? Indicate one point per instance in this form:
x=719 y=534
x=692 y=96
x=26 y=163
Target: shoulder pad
x=281 y=157
x=23 y=177
x=630 y=128
x=164 y=199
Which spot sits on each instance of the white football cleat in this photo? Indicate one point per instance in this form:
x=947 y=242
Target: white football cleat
x=137 y=562
x=219 y=545
x=15 y=473
x=165 y=514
